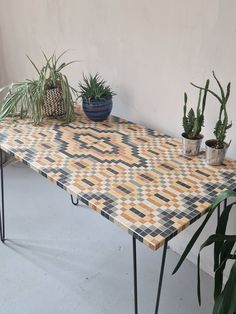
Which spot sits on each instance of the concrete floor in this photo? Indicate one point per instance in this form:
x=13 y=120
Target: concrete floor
x=64 y=259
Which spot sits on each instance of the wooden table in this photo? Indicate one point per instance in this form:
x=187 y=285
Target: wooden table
x=134 y=176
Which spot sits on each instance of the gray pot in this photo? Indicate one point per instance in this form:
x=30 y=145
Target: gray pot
x=215 y=156
x=191 y=147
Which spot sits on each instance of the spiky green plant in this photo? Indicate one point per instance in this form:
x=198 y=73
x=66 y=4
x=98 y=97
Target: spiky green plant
x=222 y=125
x=94 y=88
x=26 y=98
x=224 y=251
x=193 y=122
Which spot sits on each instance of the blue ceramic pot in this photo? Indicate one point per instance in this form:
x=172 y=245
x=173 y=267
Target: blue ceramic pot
x=97 y=110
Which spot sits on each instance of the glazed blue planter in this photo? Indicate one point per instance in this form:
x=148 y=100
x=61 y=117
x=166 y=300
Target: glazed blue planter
x=97 y=110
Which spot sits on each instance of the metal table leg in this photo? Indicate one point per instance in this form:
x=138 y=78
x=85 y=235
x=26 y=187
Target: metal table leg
x=73 y=202
x=161 y=277
x=2 y=216
x=135 y=277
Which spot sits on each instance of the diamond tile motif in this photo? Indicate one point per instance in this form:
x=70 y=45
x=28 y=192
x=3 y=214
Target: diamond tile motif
x=134 y=176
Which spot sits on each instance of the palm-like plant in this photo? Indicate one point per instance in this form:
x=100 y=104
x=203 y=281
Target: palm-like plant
x=225 y=301
x=26 y=98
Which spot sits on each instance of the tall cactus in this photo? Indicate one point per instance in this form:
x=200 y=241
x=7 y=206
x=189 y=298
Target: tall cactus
x=222 y=125
x=193 y=122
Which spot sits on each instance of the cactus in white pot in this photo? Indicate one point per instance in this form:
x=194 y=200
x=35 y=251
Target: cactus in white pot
x=216 y=148
x=193 y=123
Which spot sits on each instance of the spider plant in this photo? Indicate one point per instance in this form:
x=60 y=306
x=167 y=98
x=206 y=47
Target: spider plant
x=26 y=98
x=224 y=250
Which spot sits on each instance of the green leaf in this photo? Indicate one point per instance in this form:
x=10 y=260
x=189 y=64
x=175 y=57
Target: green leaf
x=33 y=64
x=215 y=238
x=224 y=195
x=221 y=228
x=226 y=302
x=63 y=65
x=225 y=254
x=62 y=54
x=94 y=88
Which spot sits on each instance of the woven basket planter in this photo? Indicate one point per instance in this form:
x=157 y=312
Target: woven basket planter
x=53 y=103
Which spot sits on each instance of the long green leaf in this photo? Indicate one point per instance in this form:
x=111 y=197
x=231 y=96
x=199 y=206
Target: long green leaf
x=224 y=195
x=226 y=302
x=215 y=238
x=221 y=228
x=34 y=65
x=225 y=254
x=63 y=65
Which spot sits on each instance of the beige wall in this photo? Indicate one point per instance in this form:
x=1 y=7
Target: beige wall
x=148 y=50
x=3 y=76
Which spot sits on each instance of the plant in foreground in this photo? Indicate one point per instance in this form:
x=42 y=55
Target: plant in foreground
x=224 y=250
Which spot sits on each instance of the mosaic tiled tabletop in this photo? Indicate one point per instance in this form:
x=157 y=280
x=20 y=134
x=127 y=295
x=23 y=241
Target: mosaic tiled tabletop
x=134 y=176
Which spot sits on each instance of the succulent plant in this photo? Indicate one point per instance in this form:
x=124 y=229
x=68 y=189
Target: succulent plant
x=94 y=88
x=193 y=122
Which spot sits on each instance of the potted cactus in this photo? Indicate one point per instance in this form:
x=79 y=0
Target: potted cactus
x=96 y=97
x=193 y=123
x=216 y=148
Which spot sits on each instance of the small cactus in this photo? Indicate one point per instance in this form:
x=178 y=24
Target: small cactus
x=193 y=122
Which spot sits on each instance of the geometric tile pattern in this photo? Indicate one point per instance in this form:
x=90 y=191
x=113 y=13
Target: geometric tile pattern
x=134 y=176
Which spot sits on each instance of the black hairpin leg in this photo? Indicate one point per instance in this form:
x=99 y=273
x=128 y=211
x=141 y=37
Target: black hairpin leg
x=2 y=217
x=161 y=276
x=135 y=277
x=73 y=202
